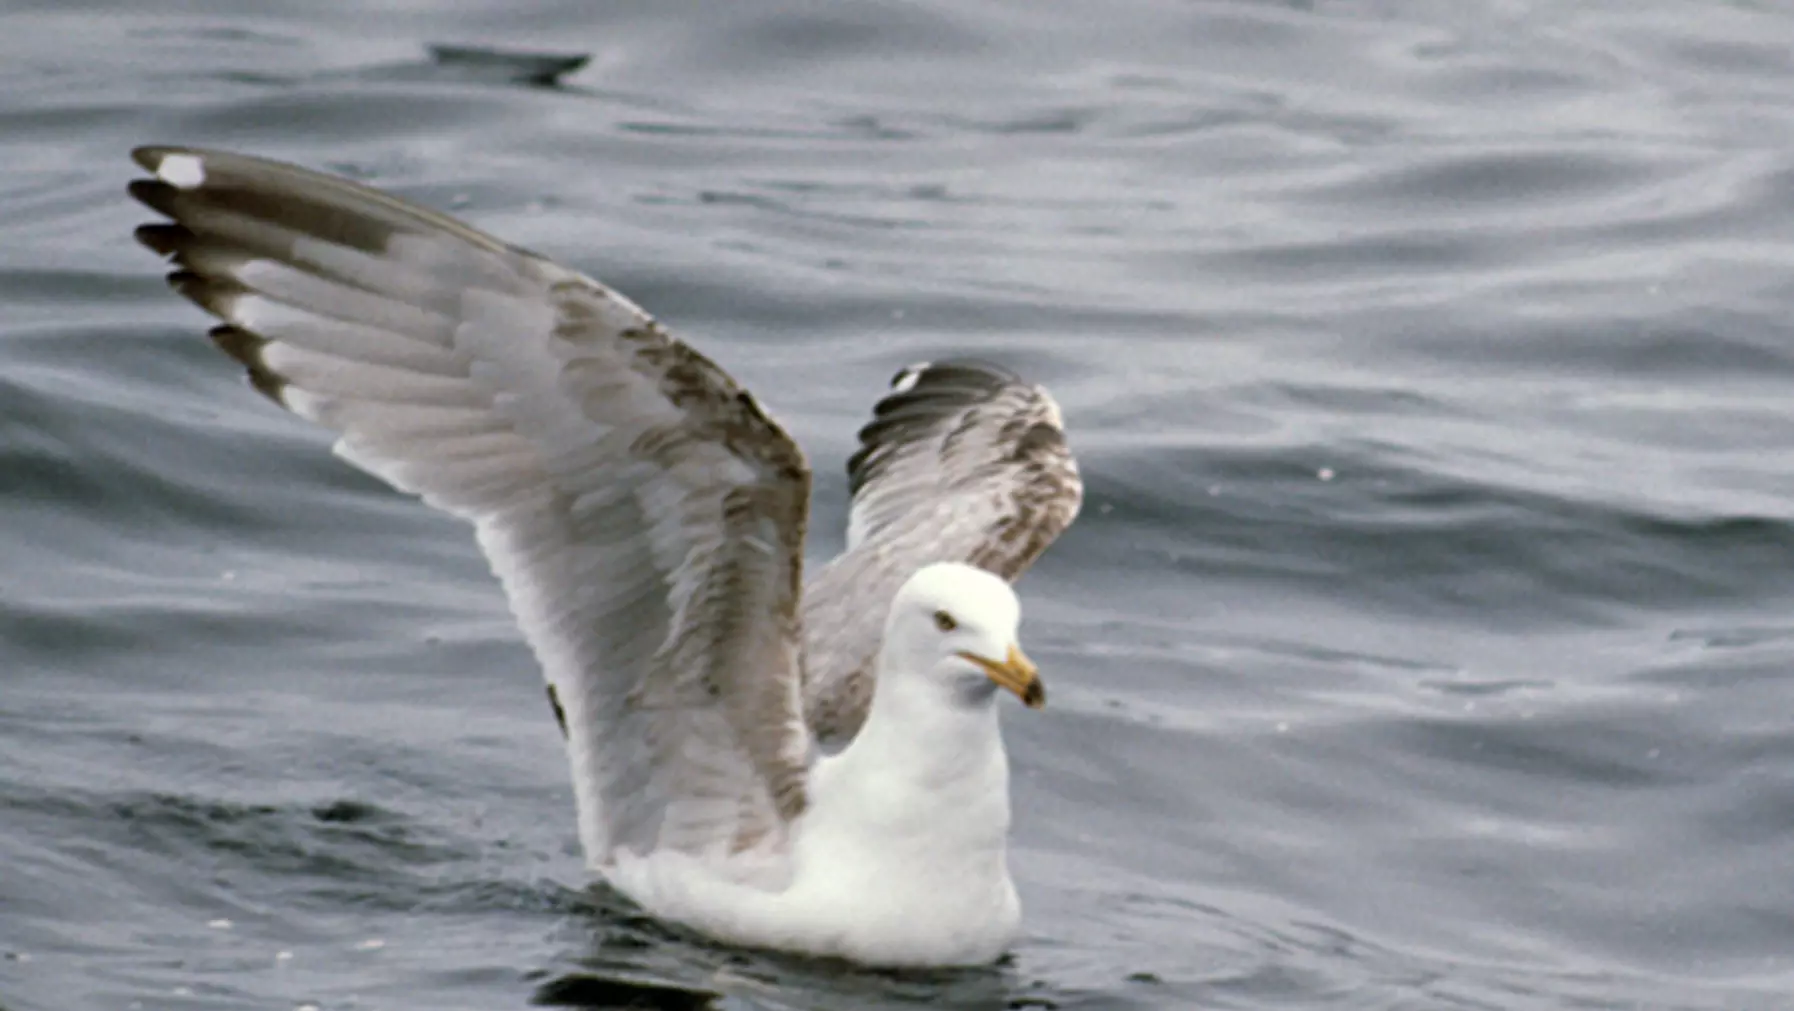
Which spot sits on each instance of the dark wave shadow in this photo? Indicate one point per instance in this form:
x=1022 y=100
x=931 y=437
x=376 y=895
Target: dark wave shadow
x=630 y=960
x=585 y=990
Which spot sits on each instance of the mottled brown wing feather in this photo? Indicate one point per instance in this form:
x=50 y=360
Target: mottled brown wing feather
x=645 y=517
x=962 y=461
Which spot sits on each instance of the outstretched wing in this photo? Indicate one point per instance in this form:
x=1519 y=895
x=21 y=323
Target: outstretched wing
x=963 y=461
x=645 y=517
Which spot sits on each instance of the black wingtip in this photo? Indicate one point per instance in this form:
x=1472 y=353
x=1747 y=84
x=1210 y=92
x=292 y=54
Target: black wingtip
x=149 y=156
x=246 y=347
x=921 y=397
x=155 y=194
x=164 y=239
x=239 y=343
x=954 y=370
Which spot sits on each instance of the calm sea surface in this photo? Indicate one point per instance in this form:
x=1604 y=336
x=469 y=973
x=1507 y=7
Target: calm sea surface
x=1426 y=641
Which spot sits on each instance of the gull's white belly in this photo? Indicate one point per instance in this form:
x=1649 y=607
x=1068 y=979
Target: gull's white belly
x=884 y=906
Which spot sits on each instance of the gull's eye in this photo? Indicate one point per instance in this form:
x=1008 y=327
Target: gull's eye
x=944 y=621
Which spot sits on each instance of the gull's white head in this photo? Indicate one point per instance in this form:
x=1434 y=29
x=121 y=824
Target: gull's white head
x=956 y=627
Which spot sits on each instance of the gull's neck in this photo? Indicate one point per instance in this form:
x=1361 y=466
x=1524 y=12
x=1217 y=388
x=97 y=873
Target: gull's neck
x=910 y=727
x=912 y=822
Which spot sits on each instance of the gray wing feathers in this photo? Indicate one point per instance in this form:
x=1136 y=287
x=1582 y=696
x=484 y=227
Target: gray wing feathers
x=645 y=517
x=962 y=461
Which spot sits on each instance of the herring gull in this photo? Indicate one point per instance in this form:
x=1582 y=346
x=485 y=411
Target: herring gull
x=814 y=767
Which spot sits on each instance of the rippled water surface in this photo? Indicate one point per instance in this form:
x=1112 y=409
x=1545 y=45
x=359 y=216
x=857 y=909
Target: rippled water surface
x=1425 y=641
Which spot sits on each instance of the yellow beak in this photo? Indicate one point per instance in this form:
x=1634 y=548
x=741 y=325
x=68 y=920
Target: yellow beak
x=1016 y=673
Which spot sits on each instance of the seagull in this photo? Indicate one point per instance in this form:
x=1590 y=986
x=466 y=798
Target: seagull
x=812 y=766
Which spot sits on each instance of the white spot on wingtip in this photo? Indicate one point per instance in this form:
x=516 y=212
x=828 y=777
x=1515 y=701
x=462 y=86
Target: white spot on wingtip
x=182 y=171
x=906 y=380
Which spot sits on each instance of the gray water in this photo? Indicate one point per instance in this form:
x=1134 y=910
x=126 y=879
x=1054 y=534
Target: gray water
x=1424 y=642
